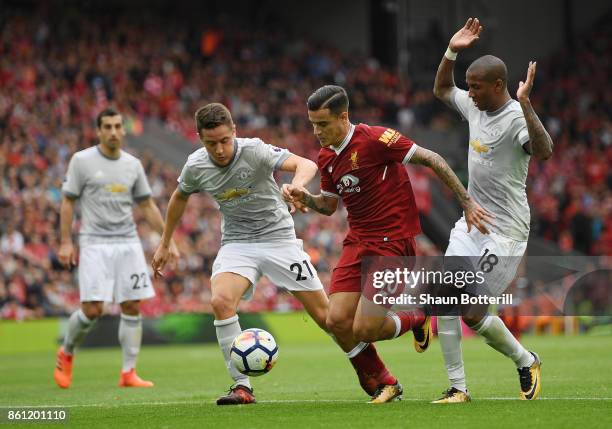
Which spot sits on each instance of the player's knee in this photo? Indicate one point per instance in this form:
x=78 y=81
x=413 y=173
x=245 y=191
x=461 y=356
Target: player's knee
x=338 y=324
x=130 y=308
x=92 y=311
x=472 y=321
x=223 y=306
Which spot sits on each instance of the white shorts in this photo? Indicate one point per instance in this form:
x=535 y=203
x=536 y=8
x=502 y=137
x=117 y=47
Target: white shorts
x=285 y=264
x=114 y=272
x=501 y=255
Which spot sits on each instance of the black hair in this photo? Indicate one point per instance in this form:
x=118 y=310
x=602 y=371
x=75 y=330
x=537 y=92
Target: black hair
x=332 y=97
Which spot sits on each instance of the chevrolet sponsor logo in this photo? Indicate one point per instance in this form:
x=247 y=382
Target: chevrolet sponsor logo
x=479 y=147
x=230 y=194
x=115 y=188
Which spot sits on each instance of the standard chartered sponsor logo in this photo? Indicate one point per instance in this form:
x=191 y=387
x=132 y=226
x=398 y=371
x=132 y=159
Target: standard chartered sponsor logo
x=348 y=183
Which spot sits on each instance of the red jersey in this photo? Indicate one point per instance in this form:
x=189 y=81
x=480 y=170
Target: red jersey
x=367 y=171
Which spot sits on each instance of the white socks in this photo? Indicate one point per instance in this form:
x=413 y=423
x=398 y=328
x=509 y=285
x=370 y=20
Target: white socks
x=78 y=327
x=497 y=335
x=130 y=338
x=449 y=334
x=227 y=330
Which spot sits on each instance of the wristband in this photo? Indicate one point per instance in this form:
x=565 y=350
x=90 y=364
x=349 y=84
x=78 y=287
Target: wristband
x=450 y=55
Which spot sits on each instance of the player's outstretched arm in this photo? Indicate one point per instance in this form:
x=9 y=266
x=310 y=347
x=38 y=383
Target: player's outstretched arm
x=299 y=196
x=474 y=214
x=176 y=208
x=304 y=171
x=462 y=39
x=66 y=254
x=154 y=218
x=540 y=143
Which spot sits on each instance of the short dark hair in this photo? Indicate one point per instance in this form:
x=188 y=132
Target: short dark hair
x=109 y=111
x=211 y=116
x=332 y=97
x=491 y=68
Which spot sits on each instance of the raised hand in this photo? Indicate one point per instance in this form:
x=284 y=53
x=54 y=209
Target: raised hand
x=524 y=88
x=466 y=36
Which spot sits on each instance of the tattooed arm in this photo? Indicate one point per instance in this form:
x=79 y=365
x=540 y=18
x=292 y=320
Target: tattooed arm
x=540 y=144
x=474 y=214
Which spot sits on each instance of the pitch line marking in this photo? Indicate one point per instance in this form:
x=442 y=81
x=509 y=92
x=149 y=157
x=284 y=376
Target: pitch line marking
x=284 y=401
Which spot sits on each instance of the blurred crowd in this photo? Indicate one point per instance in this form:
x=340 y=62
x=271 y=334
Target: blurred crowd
x=57 y=74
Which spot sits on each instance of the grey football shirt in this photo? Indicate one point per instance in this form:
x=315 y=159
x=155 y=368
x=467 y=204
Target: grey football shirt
x=497 y=163
x=247 y=194
x=107 y=189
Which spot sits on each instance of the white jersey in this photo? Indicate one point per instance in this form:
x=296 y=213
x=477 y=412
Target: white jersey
x=497 y=163
x=247 y=194
x=107 y=189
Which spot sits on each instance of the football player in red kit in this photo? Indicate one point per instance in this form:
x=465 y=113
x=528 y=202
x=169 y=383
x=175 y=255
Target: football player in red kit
x=365 y=167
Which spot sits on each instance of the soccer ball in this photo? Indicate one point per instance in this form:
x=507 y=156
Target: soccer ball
x=254 y=352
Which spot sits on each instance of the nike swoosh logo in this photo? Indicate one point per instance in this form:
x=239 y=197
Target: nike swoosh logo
x=425 y=343
x=533 y=389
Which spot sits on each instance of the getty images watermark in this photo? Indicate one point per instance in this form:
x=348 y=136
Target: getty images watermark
x=531 y=286
x=390 y=281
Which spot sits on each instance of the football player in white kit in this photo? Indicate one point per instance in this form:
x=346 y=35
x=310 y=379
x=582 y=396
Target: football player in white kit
x=107 y=182
x=258 y=234
x=504 y=134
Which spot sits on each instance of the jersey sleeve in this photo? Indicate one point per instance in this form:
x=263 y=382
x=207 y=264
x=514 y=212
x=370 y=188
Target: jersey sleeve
x=392 y=146
x=271 y=156
x=74 y=181
x=141 y=189
x=327 y=183
x=187 y=182
x=520 y=133
x=461 y=102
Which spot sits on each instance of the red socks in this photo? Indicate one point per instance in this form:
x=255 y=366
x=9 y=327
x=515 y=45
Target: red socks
x=409 y=320
x=371 y=370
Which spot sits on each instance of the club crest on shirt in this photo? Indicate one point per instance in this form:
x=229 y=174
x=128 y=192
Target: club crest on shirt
x=389 y=137
x=348 y=183
x=496 y=131
x=354 y=160
x=244 y=174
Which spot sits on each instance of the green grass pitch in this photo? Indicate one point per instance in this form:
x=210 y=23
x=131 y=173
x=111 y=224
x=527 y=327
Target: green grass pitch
x=313 y=386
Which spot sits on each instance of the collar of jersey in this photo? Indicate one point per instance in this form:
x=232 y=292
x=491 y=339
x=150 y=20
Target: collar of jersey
x=346 y=140
x=498 y=111
x=234 y=156
x=106 y=156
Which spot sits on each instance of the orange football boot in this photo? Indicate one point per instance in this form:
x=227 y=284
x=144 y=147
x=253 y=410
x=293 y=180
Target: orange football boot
x=131 y=379
x=63 y=369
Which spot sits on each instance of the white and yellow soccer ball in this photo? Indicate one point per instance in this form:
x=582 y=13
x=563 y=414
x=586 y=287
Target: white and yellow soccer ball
x=254 y=352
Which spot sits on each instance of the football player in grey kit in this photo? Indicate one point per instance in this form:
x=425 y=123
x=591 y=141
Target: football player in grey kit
x=504 y=134
x=258 y=235
x=107 y=182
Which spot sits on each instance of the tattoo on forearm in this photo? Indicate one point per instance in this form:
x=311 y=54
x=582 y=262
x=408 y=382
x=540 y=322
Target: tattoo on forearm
x=445 y=173
x=314 y=203
x=541 y=143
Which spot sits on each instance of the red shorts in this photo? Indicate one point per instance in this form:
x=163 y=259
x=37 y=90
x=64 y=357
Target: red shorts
x=346 y=277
